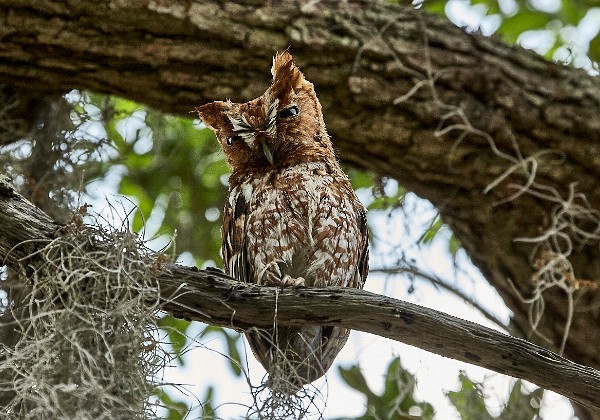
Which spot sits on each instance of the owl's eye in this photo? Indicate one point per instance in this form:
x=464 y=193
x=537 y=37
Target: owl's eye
x=232 y=139
x=289 y=112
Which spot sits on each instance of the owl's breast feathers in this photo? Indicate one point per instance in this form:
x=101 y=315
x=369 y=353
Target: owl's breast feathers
x=302 y=222
x=301 y=225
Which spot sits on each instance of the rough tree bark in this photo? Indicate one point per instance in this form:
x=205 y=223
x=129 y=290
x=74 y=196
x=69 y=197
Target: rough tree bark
x=212 y=297
x=393 y=83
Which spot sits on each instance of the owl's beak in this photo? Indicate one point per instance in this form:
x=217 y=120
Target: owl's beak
x=267 y=152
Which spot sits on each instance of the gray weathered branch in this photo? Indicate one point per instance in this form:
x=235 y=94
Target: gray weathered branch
x=214 y=298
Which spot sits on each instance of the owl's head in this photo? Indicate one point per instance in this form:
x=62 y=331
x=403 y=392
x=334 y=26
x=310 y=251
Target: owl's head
x=281 y=128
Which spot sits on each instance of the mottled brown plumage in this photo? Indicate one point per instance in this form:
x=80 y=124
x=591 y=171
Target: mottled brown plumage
x=291 y=218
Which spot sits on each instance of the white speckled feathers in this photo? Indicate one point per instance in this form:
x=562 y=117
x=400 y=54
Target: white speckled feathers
x=302 y=222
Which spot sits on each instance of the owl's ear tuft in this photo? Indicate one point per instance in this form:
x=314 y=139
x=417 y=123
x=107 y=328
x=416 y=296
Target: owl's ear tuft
x=214 y=114
x=286 y=76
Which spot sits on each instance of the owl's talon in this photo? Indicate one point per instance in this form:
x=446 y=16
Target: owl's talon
x=289 y=281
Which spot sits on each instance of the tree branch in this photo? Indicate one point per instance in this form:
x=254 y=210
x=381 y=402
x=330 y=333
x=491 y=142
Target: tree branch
x=218 y=300
x=405 y=94
x=444 y=284
x=214 y=298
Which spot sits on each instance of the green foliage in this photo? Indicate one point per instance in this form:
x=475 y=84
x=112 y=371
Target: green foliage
x=174 y=171
x=432 y=232
x=519 y=16
x=594 y=52
x=396 y=402
x=492 y=6
x=380 y=199
x=436 y=6
x=232 y=340
x=176 y=331
x=208 y=410
x=454 y=245
x=572 y=11
x=470 y=402
x=360 y=179
x=384 y=201
x=176 y=410
x=522 y=405
x=512 y=27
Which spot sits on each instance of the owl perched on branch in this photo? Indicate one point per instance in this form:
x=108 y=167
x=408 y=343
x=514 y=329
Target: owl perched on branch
x=292 y=218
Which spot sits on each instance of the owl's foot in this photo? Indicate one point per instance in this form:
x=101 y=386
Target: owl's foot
x=289 y=281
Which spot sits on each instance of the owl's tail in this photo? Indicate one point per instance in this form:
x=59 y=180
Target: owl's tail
x=295 y=357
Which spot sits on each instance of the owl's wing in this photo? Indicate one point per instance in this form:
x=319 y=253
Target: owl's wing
x=235 y=260
x=234 y=252
x=363 y=258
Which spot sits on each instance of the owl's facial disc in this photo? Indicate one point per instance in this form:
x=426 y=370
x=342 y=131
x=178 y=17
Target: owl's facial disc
x=257 y=127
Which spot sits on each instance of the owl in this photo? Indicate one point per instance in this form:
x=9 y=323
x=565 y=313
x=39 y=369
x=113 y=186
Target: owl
x=292 y=218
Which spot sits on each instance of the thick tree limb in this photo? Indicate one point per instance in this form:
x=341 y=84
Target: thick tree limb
x=212 y=297
x=392 y=81
x=218 y=300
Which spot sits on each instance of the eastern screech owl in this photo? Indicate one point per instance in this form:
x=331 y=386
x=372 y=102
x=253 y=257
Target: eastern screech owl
x=291 y=218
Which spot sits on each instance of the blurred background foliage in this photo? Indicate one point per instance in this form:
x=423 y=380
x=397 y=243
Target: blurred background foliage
x=396 y=402
x=553 y=22
x=175 y=177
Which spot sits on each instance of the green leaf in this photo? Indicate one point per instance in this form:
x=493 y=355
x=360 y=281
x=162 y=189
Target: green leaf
x=572 y=11
x=176 y=330
x=492 y=6
x=208 y=411
x=387 y=202
x=117 y=109
x=396 y=402
x=435 y=6
x=526 y=20
x=144 y=203
x=359 y=179
x=522 y=405
x=356 y=380
x=231 y=339
x=469 y=400
x=454 y=245
x=594 y=51
x=391 y=389
x=212 y=172
x=435 y=226
x=181 y=175
x=176 y=410
x=558 y=42
x=234 y=355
